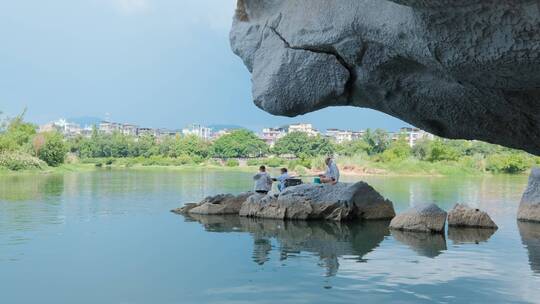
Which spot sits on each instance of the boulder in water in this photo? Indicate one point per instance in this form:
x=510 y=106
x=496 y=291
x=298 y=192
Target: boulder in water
x=220 y=204
x=339 y=202
x=464 y=216
x=529 y=208
x=421 y=218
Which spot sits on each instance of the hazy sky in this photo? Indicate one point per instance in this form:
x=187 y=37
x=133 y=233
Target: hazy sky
x=158 y=63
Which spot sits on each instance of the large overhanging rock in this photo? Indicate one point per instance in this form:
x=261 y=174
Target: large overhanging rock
x=460 y=69
x=529 y=208
x=338 y=202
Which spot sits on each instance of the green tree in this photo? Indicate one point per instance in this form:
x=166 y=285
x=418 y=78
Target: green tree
x=301 y=144
x=422 y=149
x=377 y=141
x=188 y=145
x=54 y=150
x=397 y=150
x=440 y=151
x=16 y=133
x=239 y=143
x=354 y=147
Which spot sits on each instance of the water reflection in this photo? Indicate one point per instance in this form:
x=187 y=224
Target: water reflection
x=327 y=240
x=469 y=235
x=530 y=237
x=425 y=244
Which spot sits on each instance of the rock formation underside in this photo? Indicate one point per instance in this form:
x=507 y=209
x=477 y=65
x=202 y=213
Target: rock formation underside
x=463 y=69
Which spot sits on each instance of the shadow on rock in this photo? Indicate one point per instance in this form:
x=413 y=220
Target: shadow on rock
x=460 y=235
x=530 y=237
x=327 y=240
x=426 y=244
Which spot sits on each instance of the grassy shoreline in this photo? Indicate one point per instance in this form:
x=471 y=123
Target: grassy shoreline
x=347 y=168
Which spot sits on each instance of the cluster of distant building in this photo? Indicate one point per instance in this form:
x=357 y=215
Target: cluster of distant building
x=272 y=135
x=269 y=135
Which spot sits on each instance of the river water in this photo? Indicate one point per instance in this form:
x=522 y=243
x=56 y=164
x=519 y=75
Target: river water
x=108 y=237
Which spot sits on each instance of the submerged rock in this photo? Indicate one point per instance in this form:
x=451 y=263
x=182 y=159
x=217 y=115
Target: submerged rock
x=426 y=244
x=327 y=240
x=338 y=202
x=463 y=235
x=420 y=218
x=530 y=237
x=220 y=204
x=465 y=216
x=529 y=208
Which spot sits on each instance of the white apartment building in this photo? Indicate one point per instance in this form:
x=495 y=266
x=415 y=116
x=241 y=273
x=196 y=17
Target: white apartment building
x=304 y=128
x=199 y=131
x=272 y=135
x=412 y=135
x=341 y=136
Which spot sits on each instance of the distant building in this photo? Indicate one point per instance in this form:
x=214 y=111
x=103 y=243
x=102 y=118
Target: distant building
x=218 y=134
x=272 y=135
x=147 y=132
x=341 y=136
x=62 y=126
x=412 y=135
x=107 y=127
x=199 y=131
x=129 y=129
x=304 y=128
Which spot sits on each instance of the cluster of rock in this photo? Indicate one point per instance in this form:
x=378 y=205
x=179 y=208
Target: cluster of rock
x=340 y=202
x=431 y=218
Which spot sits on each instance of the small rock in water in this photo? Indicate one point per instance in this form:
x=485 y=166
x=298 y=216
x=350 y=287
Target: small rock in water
x=464 y=216
x=421 y=218
x=529 y=208
x=220 y=204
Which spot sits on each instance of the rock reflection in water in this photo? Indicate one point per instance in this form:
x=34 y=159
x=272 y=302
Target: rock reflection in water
x=327 y=240
x=460 y=235
x=530 y=237
x=426 y=244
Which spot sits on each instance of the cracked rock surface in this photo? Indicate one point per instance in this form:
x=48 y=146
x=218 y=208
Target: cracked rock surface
x=457 y=68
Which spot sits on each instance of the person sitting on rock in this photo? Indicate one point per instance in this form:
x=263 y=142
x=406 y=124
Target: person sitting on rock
x=282 y=179
x=263 y=181
x=331 y=176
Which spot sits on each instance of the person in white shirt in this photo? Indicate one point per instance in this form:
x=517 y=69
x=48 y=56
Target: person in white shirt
x=331 y=176
x=263 y=181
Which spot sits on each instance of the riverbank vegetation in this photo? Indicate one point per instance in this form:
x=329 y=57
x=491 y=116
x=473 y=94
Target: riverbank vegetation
x=23 y=149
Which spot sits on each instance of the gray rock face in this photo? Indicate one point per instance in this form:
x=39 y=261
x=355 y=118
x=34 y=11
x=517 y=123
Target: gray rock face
x=338 y=202
x=464 y=216
x=460 y=69
x=220 y=204
x=529 y=208
x=420 y=218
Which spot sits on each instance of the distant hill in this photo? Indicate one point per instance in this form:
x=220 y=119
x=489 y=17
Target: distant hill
x=85 y=120
x=219 y=127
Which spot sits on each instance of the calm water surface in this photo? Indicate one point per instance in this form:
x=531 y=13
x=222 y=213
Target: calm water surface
x=108 y=237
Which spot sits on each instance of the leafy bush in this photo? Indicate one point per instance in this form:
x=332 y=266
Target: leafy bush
x=232 y=163
x=54 y=151
x=254 y=162
x=439 y=151
x=511 y=163
x=16 y=161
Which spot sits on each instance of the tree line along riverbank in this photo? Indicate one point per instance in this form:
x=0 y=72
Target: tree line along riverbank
x=23 y=149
